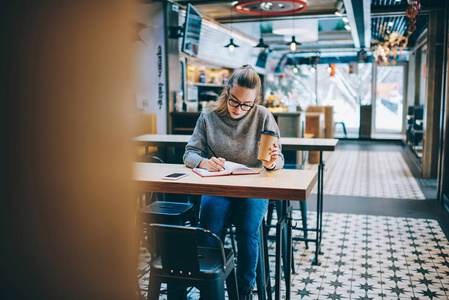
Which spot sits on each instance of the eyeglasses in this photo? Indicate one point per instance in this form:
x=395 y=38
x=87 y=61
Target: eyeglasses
x=244 y=107
x=234 y=103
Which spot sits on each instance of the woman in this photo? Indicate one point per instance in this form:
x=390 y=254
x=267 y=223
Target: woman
x=230 y=129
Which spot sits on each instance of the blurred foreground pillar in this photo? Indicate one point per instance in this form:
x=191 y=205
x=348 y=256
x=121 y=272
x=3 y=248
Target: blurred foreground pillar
x=67 y=206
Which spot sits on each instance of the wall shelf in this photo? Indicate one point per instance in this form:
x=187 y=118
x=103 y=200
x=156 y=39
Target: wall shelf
x=206 y=84
x=184 y=122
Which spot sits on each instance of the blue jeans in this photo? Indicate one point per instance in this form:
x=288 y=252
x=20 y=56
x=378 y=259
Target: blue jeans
x=247 y=215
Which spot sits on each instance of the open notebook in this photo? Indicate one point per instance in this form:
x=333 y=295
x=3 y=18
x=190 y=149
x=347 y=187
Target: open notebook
x=230 y=168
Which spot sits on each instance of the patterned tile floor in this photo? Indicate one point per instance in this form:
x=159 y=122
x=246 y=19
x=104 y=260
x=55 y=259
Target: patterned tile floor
x=369 y=257
x=366 y=256
x=382 y=174
x=375 y=257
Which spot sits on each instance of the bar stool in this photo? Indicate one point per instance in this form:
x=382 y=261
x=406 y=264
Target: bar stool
x=278 y=205
x=302 y=207
x=263 y=281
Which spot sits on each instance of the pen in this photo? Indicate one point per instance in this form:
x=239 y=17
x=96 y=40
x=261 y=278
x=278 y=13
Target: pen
x=213 y=152
x=211 y=148
x=208 y=144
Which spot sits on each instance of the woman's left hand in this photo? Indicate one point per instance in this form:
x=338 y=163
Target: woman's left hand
x=274 y=154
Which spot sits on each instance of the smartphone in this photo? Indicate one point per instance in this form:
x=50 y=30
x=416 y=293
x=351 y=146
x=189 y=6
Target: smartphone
x=174 y=176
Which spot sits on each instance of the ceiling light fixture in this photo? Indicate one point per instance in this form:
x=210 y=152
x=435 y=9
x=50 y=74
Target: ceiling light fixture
x=261 y=43
x=271 y=8
x=304 y=30
x=293 y=44
x=362 y=56
x=314 y=60
x=339 y=9
x=231 y=46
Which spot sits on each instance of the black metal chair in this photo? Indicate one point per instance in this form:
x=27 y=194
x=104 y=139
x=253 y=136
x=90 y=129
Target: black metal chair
x=166 y=212
x=163 y=212
x=342 y=125
x=190 y=256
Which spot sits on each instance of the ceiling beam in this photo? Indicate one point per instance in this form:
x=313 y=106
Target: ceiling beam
x=251 y=18
x=399 y=10
x=367 y=22
x=359 y=15
x=196 y=2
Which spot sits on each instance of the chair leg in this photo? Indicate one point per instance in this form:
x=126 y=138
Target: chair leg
x=284 y=237
x=303 y=207
x=262 y=271
x=283 y=232
x=213 y=290
x=154 y=288
x=271 y=205
x=175 y=292
x=260 y=275
x=231 y=285
x=196 y=201
x=232 y=237
x=266 y=260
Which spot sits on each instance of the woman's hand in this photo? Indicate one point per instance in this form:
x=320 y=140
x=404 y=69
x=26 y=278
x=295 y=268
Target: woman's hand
x=274 y=154
x=213 y=164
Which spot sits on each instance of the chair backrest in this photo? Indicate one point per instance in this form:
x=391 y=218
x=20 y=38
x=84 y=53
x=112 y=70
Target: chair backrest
x=146 y=124
x=328 y=118
x=177 y=246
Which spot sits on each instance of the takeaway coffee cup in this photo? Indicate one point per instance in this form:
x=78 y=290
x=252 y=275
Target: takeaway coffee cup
x=267 y=139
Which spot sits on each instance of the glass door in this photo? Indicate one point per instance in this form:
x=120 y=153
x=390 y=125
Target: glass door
x=389 y=104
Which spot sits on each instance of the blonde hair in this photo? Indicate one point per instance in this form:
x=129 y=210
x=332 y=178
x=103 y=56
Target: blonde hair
x=244 y=76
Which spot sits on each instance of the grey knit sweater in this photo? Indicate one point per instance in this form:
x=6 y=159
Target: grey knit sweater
x=233 y=139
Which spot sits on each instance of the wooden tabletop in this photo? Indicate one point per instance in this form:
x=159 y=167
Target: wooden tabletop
x=310 y=144
x=282 y=184
x=163 y=140
x=178 y=140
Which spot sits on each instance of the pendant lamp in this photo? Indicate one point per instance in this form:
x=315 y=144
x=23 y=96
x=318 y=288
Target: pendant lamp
x=231 y=46
x=261 y=43
x=293 y=44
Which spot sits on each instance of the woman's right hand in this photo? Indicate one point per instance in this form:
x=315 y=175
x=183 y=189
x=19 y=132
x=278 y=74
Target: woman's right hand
x=213 y=164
